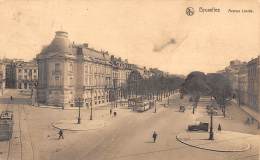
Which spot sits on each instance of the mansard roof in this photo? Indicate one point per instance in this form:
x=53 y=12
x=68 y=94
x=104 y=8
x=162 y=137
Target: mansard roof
x=60 y=44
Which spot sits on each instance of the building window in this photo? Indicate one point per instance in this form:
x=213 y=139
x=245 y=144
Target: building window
x=19 y=86
x=25 y=77
x=71 y=67
x=57 y=78
x=57 y=67
x=25 y=70
x=34 y=71
x=25 y=85
x=19 y=71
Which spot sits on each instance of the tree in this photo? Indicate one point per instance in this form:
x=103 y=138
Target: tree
x=196 y=85
x=220 y=88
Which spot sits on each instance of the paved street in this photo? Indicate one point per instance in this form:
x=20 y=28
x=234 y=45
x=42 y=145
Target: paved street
x=127 y=136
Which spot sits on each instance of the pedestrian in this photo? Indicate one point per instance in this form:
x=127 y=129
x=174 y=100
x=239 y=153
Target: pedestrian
x=61 y=134
x=219 y=127
x=11 y=98
x=114 y=113
x=110 y=111
x=154 y=136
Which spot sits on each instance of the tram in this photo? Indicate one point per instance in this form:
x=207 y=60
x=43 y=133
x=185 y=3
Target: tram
x=6 y=125
x=142 y=106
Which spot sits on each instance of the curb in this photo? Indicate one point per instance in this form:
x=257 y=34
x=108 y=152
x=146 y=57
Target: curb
x=214 y=150
x=76 y=130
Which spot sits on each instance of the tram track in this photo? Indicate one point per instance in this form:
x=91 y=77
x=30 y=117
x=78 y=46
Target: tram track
x=11 y=140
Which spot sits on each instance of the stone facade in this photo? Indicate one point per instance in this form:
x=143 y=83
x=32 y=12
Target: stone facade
x=20 y=74
x=232 y=73
x=68 y=71
x=243 y=85
x=2 y=77
x=26 y=74
x=10 y=72
x=254 y=83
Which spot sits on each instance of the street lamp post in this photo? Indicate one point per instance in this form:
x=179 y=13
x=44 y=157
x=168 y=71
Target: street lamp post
x=91 y=104
x=168 y=100
x=155 y=106
x=211 y=134
x=91 y=113
x=78 y=102
x=35 y=86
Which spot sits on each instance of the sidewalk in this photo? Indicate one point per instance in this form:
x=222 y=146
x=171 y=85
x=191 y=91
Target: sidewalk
x=250 y=111
x=224 y=141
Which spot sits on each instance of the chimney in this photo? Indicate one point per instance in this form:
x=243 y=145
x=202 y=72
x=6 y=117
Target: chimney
x=85 y=45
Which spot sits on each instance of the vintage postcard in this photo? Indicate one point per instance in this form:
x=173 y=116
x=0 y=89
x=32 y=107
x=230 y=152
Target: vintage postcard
x=130 y=80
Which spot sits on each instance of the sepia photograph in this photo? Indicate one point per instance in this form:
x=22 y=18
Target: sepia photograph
x=130 y=80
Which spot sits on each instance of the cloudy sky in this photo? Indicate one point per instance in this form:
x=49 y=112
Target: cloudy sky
x=137 y=30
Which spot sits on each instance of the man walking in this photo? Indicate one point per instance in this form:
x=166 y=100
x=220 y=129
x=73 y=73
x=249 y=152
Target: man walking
x=154 y=136
x=219 y=127
x=61 y=134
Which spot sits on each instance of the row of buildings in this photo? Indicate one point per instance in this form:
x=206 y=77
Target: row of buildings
x=245 y=80
x=2 y=77
x=69 y=71
x=64 y=72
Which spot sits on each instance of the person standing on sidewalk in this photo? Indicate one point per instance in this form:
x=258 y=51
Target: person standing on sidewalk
x=110 y=111
x=61 y=134
x=154 y=136
x=219 y=127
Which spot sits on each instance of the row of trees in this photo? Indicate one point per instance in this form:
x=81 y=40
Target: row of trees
x=213 y=84
x=153 y=86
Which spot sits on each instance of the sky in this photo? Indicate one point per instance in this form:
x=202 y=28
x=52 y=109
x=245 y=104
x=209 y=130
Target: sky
x=134 y=30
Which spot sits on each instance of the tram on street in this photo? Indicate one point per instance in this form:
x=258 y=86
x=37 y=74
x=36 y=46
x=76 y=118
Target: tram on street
x=6 y=125
x=142 y=106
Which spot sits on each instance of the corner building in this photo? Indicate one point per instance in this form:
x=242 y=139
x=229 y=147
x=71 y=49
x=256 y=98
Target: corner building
x=68 y=71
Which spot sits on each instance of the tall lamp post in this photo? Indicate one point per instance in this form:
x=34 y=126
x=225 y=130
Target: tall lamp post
x=155 y=106
x=35 y=86
x=91 y=105
x=211 y=133
x=79 y=102
x=168 y=94
x=224 y=104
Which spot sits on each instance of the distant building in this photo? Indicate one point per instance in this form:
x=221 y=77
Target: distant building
x=232 y=73
x=20 y=74
x=10 y=72
x=156 y=72
x=2 y=77
x=254 y=83
x=120 y=74
x=243 y=85
x=26 y=74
